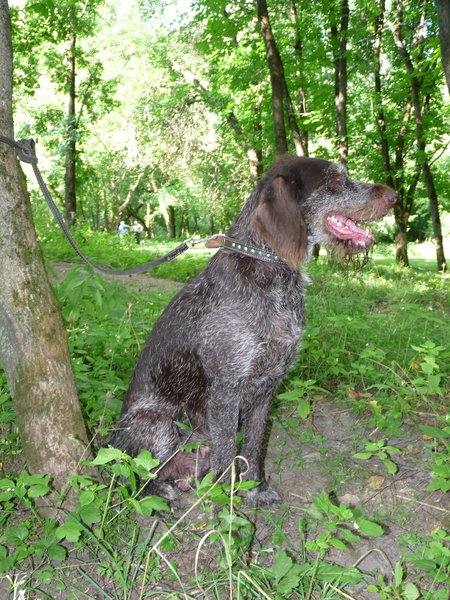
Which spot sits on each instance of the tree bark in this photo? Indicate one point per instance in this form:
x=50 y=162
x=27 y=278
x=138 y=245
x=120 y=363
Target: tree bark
x=171 y=228
x=416 y=85
x=70 y=158
x=33 y=348
x=339 y=38
x=401 y=218
x=298 y=47
x=277 y=79
x=443 y=11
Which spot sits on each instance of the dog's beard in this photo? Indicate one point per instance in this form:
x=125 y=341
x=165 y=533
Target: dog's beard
x=353 y=262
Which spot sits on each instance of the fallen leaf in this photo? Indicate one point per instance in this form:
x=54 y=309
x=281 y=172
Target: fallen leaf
x=375 y=482
x=358 y=395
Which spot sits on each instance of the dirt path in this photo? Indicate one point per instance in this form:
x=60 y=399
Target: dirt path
x=140 y=281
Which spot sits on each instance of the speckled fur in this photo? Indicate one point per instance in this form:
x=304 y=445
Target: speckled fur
x=217 y=354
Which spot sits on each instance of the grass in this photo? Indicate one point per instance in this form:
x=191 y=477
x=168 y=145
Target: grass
x=375 y=350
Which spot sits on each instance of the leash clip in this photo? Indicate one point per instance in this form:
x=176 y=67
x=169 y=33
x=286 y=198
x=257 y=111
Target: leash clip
x=212 y=241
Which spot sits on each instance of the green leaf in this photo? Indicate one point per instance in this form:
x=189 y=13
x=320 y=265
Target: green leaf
x=16 y=535
x=410 y=592
x=281 y=566
x=349 y=535
x=37 y=491
x=86 y=497
x=339 y=544
x=363 y=455
x=106 y=455
x=7 y=484
x=303 y=408
x=393 y=450
x=335 y=574
x=90 y=513
x=435 y=432
x=438 y=483
x=391 y=467
x=146 y=460
x=147 y=505
x=369 y=528
x=398 y=575
x=57 y=552
x=6 y=564
x=70 y=531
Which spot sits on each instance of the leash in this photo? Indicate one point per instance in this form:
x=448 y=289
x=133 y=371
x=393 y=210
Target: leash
x=25 y=150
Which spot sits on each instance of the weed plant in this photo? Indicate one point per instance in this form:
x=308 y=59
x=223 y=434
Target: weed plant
x=376 y=340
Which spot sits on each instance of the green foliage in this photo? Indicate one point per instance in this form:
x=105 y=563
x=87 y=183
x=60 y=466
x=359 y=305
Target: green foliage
x=337 y=522
x=191 y=99
x=431 y=557
x=97 y=507
x=398 y=589
x=440 y=448
x=382 y=451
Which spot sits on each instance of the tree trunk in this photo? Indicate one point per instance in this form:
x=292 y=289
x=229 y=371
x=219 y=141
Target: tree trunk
x=277 y=79
x=171 y=229
x=401 y=218
x=443 y=10
x=69 y=179
x=33 y=349
x=339 y=38
x=298 y=47
x=254 y=154
x=416 y=84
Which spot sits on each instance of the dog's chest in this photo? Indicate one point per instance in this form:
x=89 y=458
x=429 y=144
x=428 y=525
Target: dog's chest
x=279 y=335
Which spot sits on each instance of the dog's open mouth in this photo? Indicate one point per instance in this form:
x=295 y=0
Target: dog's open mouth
x=343 y=228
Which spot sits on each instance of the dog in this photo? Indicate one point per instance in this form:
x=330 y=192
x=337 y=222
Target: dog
x=218 y=353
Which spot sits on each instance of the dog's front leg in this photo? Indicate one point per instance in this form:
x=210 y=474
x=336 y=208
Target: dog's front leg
x=223 y=420
x=254 y=422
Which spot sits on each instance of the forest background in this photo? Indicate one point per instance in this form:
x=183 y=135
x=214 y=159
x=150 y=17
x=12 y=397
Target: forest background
x=167 y=115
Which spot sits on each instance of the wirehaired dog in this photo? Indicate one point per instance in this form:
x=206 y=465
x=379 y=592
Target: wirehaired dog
x=219 y=351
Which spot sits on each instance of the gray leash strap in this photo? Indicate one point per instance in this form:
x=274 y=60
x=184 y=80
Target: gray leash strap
x=25 y=150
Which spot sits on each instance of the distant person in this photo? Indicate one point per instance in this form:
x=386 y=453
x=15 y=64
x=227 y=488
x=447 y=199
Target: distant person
x=122 y=229
x=137 y=229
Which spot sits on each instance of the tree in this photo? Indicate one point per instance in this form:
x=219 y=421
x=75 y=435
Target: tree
x=339 y=38
x=277 y=79
x=45 y=30
x=301 y=92
x=443 y=10
x=393 y=178
x=416 y=73
x=33 y=348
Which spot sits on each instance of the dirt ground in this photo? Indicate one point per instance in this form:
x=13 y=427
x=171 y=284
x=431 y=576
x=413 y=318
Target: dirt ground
x=301 y=471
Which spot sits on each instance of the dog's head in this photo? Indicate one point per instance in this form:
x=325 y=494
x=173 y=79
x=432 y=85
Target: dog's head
x=306 y=201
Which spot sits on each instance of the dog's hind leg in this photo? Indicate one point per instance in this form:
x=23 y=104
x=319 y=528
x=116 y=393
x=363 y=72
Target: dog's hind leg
x=154 y=431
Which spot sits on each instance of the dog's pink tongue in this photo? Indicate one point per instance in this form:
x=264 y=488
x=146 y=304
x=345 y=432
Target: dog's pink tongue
x=347 y=229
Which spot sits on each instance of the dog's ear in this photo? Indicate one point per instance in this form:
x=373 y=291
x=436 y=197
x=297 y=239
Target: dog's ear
x=279 y=222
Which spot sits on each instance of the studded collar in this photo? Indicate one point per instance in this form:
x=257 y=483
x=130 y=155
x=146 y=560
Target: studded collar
x=228 y=243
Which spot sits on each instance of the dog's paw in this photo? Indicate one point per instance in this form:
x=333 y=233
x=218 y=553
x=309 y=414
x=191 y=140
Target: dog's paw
x=263 y=496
